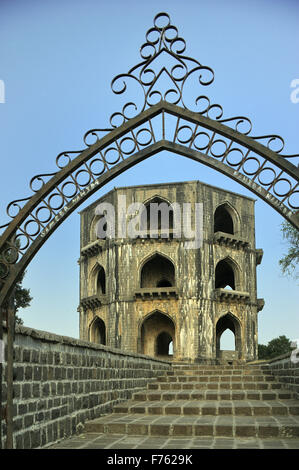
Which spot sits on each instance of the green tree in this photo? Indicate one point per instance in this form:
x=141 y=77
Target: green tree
x=275 y=347
x=278 y=346
x=22 y=295
x=262 y=351
x=22 y=298
x=289 y=262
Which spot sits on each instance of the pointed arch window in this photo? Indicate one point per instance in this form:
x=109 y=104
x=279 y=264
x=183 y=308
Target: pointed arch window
x=101 y=281
x=224 y=220
x=159 y=218
x=229 y=322
x=158 y=271
x=225 y=275
x=97 y=331
x=157 y=335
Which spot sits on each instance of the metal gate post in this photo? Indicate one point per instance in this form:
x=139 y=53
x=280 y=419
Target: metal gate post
x=9 y=370
x=1 y=370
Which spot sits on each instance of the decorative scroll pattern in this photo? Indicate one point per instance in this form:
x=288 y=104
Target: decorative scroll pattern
x=49 y=208
x=181 y=74
x=162 y=39
x=245 y=162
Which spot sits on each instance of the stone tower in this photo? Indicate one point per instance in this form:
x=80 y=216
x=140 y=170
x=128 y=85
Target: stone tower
x=154 y=296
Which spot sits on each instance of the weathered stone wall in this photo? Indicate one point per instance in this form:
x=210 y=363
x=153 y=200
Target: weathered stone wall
x=60 y=382
x=287 y=372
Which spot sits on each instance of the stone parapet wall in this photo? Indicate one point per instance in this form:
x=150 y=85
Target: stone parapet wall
x=286 y=372
x=61 y=382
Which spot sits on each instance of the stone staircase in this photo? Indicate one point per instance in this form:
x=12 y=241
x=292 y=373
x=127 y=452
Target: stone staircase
x=236 y=401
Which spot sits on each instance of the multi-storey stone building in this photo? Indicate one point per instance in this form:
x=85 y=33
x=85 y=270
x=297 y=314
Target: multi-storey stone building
x=158 y=297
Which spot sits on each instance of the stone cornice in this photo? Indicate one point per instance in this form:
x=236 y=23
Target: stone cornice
x=230 y=240
x=234 y=295
x=92 y=249
x=91 y=302
x=259 y=255
x=156 y=292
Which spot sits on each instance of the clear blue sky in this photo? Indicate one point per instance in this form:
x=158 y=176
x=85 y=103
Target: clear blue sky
x=57 y=60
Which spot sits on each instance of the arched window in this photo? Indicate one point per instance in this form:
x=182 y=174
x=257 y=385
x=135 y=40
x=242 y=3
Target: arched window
x=224 y=276
x=157 y=335
x=158 y=271
x=223 y=219
x=228 y=322
x=227 y=275
x=159 y=216
x=97 y=331
x=97 y=228
x=101 y=281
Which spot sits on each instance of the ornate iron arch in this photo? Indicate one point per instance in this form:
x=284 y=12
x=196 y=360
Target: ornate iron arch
x=160 y=119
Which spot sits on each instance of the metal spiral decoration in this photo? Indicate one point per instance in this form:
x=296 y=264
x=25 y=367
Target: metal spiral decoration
x=163 y=38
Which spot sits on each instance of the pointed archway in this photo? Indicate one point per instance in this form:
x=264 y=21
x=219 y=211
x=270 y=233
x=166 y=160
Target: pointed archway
x=157 y=271
x=157 y=335
x=225 y=219
x=229 y=322
x=227 y=275
x=97 y=331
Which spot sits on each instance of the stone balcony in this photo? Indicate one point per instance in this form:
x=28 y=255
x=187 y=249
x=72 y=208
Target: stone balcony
x=259 y=255
x=155 y=292
x=234 y=295
x=260 y=304
x=92 y=249
x=230 y=240
x=92 y=302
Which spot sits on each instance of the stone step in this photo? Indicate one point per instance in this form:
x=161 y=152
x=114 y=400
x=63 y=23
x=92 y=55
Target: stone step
x=220 y=367
x=196 y=407
x=207 y=372
x=214 y=395
x=215 y=378
x=176 y=425
x=214 y=386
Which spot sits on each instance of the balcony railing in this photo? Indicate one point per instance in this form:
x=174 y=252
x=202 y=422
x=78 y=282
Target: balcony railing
x=93 y=301
x=230 y=240
x=156 y=292
x=260 y=304
x=226 y=294
x=259 y=255
x=93 y=248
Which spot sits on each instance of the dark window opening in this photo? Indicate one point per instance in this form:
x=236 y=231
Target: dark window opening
x=162 y=345
x=157 y=272
x=224 y=276
x=223 y=221
x=164 y=225
x=164 y=283
x=98 y=332
x=101 y=281
x=157 y=335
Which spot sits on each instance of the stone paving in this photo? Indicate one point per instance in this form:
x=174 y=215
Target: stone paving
x=121 y=441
